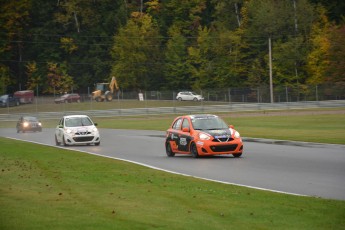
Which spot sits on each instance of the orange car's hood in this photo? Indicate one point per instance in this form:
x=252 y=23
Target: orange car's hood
x=218 y=133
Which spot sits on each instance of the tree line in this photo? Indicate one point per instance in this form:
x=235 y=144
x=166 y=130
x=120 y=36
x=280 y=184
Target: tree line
x=63 y=45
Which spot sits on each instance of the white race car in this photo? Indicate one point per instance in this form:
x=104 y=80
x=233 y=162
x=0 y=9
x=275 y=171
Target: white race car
x=76 y=130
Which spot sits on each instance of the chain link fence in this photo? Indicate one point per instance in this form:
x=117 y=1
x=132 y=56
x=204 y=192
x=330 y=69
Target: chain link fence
x=156 y=102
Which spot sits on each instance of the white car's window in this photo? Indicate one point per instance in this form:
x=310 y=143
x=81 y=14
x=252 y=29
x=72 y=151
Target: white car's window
x=77 y=121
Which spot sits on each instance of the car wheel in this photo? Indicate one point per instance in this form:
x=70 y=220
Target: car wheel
x=97 y=143
x=17 y=130
x=168 y=150
x=65 y=101
x=63 y=141
x=179 y=99
x=56 y=141
x=195 y=99
x=194 y=150
x=237 y=154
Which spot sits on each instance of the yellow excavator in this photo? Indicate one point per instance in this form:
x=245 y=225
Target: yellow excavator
x=106 y=91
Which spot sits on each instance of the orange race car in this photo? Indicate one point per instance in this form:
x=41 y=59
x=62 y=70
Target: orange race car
x=202 y=135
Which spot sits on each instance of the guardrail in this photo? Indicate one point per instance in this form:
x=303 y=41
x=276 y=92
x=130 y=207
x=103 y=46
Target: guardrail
x=182 y=110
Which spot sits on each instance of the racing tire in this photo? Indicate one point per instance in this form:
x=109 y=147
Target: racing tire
x=179 y=99
x=63 y=141
x=56 y=141
x=237 y=155
x=168 y=150
x=194 y=150
x=97 y=143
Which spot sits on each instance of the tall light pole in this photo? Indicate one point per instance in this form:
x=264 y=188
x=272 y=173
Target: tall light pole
x=270 y=67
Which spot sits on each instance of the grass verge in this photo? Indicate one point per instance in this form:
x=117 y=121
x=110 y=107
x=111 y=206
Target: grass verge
x=45 y=187
x=320 y=126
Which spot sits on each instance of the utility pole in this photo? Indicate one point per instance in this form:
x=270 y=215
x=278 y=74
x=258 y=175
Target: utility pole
x=270 y=67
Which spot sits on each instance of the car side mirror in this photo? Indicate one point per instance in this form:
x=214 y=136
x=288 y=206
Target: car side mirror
x=95 y=124
x=185 y=129
x=231 y=126
x=60 y=126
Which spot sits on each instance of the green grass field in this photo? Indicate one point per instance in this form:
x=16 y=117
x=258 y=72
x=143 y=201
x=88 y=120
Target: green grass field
x=45 y=187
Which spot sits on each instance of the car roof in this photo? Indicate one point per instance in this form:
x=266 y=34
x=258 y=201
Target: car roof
x=193 y=116
x=72 y=116
x=29 y=117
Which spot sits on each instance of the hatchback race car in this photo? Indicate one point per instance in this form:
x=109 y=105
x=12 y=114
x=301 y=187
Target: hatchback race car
x=28 y=123
x=77 y=130
x=202 y=135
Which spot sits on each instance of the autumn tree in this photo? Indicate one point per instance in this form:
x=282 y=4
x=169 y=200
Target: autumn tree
x=136 y=54
x=14 y=18
x=177 y=70
x=58 y=81
x=34 y=78
x=317 y=59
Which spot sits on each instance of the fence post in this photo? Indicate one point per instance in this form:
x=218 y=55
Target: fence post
x=229 y=90
x=317 y=94
x=286 y=94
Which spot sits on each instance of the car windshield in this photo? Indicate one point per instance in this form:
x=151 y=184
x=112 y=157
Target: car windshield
x=30 y=119
x=208 y=123
x=77 y=121
x=3 y=97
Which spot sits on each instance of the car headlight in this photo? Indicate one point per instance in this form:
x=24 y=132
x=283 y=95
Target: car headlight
x=68 y=131
x=95 y=130
x=237 y=134
x=39 y=123
x=204 y=136
x=26 y=124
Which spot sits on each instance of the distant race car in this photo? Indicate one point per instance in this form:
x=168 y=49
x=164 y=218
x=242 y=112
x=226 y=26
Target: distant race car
x=28 y=123
x=77 y=130
x=202 y=135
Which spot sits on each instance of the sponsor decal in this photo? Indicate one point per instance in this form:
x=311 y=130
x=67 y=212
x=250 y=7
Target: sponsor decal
x=183 y=141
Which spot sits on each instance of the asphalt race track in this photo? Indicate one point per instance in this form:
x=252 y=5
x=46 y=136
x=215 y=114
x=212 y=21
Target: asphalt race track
x=304 y=169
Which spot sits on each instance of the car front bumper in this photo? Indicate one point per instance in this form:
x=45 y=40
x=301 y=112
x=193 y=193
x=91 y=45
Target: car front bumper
x=219 y=148
x=73 y=139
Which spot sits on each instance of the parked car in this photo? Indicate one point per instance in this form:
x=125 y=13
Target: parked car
x=202 y=135
x=188 y=96
x=68 y=98
x=76 y=130
x=8 y=100
x=25 y=96
x=27 y=123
